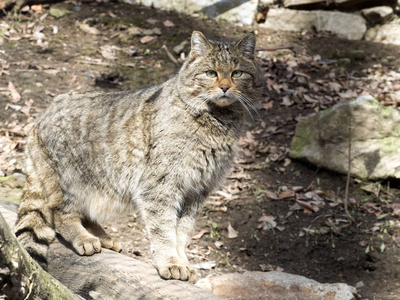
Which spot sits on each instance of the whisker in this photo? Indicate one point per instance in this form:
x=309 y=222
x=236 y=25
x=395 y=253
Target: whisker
x=245 y=106
x=192 y=106
x=246 y=101
x=251 y=104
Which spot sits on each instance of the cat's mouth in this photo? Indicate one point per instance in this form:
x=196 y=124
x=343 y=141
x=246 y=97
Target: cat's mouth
x=224 y=100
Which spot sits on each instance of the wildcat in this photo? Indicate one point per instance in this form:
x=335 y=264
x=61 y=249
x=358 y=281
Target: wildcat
x=163 y=148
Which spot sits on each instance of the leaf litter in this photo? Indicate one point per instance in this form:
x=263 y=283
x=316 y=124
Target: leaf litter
x=292 y=87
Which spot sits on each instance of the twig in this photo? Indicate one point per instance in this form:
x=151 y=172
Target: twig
x=93 y=62
x=16 y=132
x=30 y=285
x=291 y=48
x=170 y=56
x=276 y=48
x=346 y=197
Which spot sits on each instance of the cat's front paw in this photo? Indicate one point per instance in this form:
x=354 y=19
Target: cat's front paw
x=87 y=245
x=178 y=272
x=110 y=243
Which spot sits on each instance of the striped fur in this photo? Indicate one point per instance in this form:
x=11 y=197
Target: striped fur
x=164 y=149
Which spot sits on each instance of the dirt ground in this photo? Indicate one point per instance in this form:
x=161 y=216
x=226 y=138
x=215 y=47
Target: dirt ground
x=273 y=213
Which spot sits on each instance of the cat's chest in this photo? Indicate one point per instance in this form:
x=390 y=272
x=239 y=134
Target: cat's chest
x=205 y=157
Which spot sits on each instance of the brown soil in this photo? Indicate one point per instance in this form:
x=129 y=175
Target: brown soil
x=318 y=243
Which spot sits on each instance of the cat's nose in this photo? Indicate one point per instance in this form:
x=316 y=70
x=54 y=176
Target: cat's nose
x=224 y=87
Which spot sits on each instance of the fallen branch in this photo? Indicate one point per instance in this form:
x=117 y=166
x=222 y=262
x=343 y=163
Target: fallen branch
x=346 y=197
x=21 y=277
x=16 y=132
x=93 y=62
x=170 y=56
x=276 y=48
x=110 y=275
x=291 y=48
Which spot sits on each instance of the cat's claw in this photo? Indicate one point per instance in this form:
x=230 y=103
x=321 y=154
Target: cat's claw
x=87 y=246
x=178 y=272
x=110 y=243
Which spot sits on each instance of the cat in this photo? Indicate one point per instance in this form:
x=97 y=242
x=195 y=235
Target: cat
x=162 y=149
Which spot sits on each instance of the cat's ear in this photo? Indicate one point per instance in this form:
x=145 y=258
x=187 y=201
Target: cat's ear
x=200 y=45
x=247 y=45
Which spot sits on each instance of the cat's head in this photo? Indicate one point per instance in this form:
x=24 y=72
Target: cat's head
x=220 y=73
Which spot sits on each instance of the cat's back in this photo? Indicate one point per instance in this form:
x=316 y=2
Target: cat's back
x=80 y=115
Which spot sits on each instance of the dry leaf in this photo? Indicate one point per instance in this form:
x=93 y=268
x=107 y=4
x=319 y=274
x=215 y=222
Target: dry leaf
x=37 y=8
x=221 y=208
x=271 y=195
x=286 y=101
x=156 y=31
x=218 y=244
x=267 y=222
x=108 y=51
x=208 y=265
x=289 y=194
x=268 y=105
x=15 y=96
x=168 y=23
x=287 y=162
x=147 y=39
x=224 y=194
x=199 y=234
x=13 y=106
x=297 y=188
x=86 y=28
x=232 y=233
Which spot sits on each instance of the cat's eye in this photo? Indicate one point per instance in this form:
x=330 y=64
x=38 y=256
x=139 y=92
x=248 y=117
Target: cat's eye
x=211 y=74
x=237 y=73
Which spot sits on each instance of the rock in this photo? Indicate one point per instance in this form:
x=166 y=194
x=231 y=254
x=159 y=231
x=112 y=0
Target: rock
x=323 y=139
x=387 y=34
x=378 y=14
x=147 y=39
x=59 y=10
x=274 y=286
x=179 y=48
x=266 y=3
x=300 y=3
x=234 y=11
x=345 y=25
x=88 y=29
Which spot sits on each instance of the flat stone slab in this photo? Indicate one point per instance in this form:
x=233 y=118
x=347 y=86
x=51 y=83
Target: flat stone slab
x=274 y=286
x=234 y=11
x=386 y=34
x=378 y=14
x=372 y=129
x=344 y=25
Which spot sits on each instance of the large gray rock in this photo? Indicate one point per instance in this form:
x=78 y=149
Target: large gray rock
x=345 y=25
x=274 y=286
x=387 y=34
x=378 y=14
x=323 y=139
x=235 y=11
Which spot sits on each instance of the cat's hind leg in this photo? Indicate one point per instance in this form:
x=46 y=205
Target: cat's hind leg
x=69 y=226
x=105 y=240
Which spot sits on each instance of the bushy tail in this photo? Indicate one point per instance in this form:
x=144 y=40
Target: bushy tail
x=42 y=194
